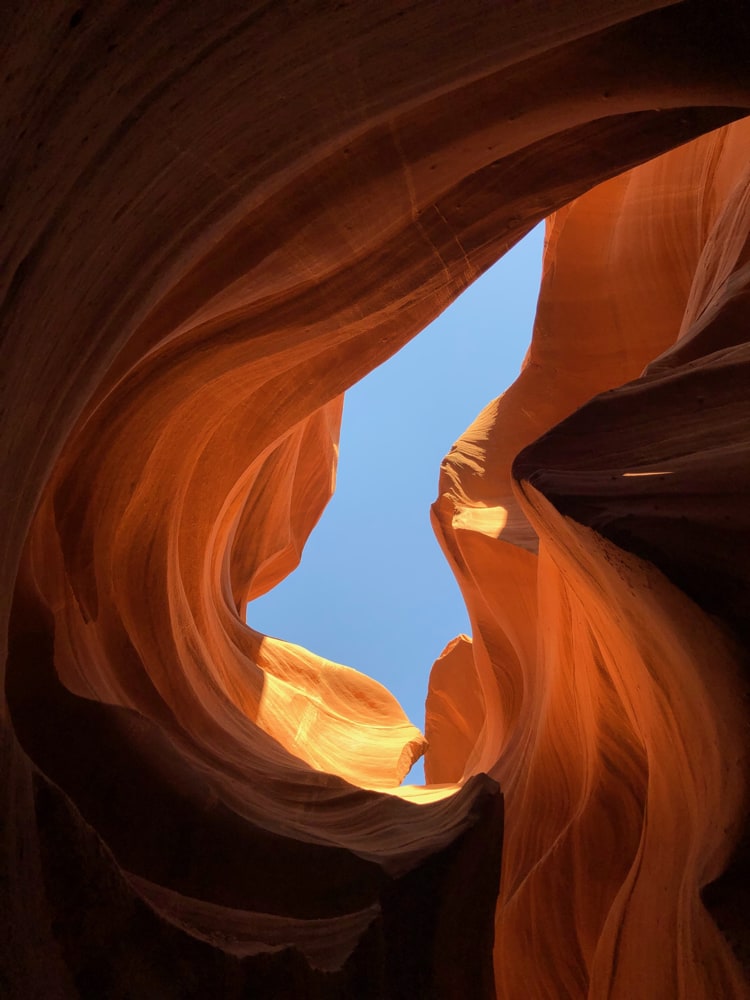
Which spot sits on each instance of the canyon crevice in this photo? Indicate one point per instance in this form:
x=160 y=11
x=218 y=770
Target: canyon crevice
x=218 y=218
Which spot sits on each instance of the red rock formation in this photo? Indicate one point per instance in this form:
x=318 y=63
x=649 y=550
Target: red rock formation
x=610 y=706
x=218 y=219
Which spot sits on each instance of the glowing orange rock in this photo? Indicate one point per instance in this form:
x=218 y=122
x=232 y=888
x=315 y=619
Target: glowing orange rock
x=214 y=225
x=612 y=712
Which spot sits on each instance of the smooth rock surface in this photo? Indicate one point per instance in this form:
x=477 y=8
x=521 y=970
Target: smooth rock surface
x=217 y=218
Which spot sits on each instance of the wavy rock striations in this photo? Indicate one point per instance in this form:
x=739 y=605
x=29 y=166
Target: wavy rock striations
x=608 y=704
x=217 y=220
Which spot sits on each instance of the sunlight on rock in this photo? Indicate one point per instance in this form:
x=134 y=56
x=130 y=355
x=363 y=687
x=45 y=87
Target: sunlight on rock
x=216 y=222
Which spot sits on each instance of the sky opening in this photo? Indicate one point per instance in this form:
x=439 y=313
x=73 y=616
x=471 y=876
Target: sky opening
x=373 y=590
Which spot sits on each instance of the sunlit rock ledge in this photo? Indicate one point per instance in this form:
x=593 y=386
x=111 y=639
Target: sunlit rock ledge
x=217 y=218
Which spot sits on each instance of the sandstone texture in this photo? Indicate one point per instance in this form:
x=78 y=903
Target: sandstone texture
x=217 y=218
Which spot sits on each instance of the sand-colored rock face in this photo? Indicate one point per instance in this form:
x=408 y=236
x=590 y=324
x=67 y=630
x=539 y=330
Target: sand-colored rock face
x=216 y=221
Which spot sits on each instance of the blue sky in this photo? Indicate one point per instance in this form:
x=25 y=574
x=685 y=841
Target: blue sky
x=373 y=590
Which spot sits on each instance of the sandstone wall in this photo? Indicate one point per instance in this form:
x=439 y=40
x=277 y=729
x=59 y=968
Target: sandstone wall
x=219 y=217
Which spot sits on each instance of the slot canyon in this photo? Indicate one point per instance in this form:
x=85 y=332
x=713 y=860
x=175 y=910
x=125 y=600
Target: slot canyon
x=217 y=218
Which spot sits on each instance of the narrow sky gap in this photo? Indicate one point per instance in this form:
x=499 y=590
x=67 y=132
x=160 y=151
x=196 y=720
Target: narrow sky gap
x=373 y=590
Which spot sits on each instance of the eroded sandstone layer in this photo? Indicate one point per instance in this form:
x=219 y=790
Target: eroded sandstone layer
x=218 y=218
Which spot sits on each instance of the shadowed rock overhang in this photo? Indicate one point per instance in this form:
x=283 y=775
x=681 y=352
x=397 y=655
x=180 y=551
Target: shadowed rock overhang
x=216 y=219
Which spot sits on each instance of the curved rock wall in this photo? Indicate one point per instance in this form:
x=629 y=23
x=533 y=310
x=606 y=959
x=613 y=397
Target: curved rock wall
x=218 y=218
x=607 y=704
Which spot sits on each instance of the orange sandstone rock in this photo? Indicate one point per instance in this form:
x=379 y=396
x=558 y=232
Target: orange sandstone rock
x=216 y=220
x=612 y=710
